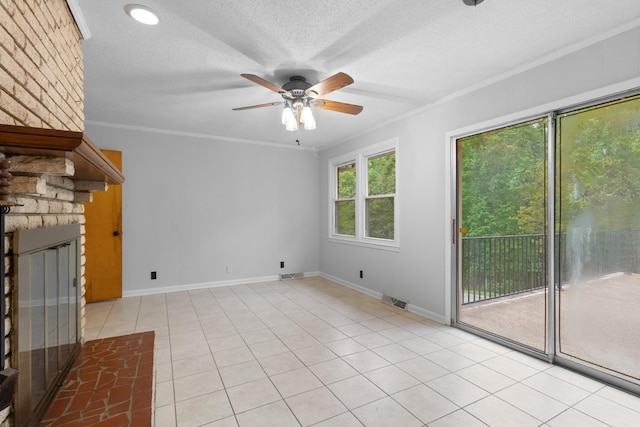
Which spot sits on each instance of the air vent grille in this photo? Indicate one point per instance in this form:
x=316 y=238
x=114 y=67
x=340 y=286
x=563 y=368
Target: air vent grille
x=291 y=276
x=394 y=301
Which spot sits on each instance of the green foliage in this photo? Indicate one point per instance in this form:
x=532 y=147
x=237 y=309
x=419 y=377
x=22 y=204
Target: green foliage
x=380 y=218
x=345 y=210
x=347 y=181
x=503 y=181
x=503 y=193
x=382 y=174
x=381 y=181
x=346 y=218
x=599 y=166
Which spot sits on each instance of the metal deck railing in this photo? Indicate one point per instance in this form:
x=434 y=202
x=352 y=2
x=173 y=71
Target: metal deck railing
x=498 y=266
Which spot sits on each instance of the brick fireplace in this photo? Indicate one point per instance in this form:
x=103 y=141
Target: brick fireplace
x=54 y=165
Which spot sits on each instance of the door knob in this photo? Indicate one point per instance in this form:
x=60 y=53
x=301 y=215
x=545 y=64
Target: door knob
x=116 y=233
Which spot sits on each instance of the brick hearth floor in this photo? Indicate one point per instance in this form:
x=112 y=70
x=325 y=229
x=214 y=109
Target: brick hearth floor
x=110 y=385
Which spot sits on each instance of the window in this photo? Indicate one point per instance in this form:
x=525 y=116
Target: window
x=364 y=201
x=345 y=204
x=380 y=203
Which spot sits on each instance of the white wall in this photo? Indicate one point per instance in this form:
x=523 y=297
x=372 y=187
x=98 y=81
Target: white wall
x=192 y=206
x=420 y=271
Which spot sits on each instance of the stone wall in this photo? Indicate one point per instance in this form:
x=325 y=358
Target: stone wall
x=41 y=81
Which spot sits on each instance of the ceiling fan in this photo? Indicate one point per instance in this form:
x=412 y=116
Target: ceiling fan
x=299 y=95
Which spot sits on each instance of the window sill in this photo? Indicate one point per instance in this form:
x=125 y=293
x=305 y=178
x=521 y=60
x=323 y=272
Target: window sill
x=391 y=246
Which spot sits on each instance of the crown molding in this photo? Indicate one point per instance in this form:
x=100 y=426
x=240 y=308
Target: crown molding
x=74 y=7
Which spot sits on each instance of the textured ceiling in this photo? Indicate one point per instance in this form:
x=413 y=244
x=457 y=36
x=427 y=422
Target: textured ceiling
x=183 y=75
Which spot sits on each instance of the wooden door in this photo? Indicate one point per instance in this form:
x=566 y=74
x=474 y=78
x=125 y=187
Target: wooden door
x=103 y=245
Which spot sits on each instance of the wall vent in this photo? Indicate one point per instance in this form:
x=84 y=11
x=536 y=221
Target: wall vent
x=394 y=301
x=291 y=276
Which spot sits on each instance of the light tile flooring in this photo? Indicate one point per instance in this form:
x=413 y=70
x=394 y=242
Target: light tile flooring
x=313 y=353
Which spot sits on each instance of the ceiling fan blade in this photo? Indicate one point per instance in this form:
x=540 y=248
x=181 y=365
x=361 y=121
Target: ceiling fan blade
x=264 y=83
x=335 y=82
x=268 y=104
x=340 y=107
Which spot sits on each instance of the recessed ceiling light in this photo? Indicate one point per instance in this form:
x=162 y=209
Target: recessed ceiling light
x=141 y=14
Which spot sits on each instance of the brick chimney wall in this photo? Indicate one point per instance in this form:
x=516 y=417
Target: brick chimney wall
x=41 y=72
x=41 y=80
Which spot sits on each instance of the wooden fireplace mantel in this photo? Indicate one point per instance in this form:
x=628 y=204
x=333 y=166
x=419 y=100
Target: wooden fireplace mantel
x=90 y=163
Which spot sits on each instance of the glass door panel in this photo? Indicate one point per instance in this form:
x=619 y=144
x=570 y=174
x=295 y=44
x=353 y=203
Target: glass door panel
x=35 y=316
x=51 y=314
x=73 y=294
x=501 y=232
x=598 y=228
x=63 y=304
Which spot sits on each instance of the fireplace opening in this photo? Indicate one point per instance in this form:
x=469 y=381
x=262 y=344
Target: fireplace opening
x=47 y=300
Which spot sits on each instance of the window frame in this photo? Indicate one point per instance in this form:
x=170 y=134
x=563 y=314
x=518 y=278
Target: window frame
x=361 y=159
x=337 y=199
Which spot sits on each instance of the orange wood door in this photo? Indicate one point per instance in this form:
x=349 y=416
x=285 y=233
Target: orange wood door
x=103 y=244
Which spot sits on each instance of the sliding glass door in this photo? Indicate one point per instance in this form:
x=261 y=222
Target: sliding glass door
x=501 y=232
x=598 y=228
x=588 y=316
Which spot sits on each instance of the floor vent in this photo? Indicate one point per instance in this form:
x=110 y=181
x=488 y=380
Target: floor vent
x=394 y=301
x=291 y=276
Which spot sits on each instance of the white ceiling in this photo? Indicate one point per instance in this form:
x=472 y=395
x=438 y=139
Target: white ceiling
x=183 y=75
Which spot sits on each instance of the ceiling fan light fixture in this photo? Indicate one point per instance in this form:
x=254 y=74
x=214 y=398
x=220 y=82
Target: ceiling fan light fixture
x=285 y=113
x=292 y=125
x=472 y=2
x=306 y=117
x=142 y=14
x=310 y=124
x=298 y=95
x=289 y=118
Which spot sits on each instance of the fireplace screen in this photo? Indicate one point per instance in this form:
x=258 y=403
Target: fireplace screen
x=48 y=314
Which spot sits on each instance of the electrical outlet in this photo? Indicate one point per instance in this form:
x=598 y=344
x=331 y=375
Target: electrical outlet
x=281 y=264
x=154 y=275
x=361 y=275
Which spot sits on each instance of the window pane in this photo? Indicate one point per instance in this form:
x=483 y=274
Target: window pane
x=599 y=236
x=382 y=174
x=380 y=218
x=346 y=217
x=502 y=274
x=347 y=181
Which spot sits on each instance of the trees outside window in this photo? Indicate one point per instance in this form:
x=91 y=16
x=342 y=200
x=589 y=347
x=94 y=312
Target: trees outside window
x=364 y=199
x=381 y=188
x=345 y=204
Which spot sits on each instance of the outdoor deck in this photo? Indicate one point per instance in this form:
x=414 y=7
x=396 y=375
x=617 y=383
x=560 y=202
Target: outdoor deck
x=599 y=321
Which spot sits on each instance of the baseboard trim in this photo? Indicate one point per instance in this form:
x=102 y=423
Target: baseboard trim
x=351 y=285
x=204 y=285
x=194 y=286
x=426 y=313
x=377 y=295
x=247 y=281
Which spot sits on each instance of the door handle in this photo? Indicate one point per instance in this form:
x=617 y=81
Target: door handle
x=116 y=233
x=453 y=231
